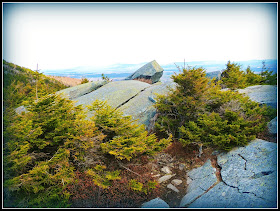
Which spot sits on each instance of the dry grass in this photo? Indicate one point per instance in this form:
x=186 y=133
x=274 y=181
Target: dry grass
x=66 y=80
x=149 y=81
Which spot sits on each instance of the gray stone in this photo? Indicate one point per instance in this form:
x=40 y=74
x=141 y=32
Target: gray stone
x=223 y=196
x=172 y=187
x=82 y=89
x=176 y=182
x=155 y=203
x=191 y=195
x=214 y=74
x=249 y=179
x=182 y=166
x=272 y=126
x=115 y=93
x=21 y=109
x=263 y=94
x=151 y=70
x=165 y=178
x=141 y=108
x=166 y=170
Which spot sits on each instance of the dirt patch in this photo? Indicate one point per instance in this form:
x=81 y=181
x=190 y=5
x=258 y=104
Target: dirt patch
x=67 y=80
x=179 y=160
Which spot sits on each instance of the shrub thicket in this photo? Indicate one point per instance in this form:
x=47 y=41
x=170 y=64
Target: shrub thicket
x=43 y=144
x=50 y=142
x=124 y=138
x=198 y=111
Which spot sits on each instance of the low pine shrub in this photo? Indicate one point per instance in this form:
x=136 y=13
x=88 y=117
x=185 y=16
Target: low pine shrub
x=199 y=112
x=124 y=138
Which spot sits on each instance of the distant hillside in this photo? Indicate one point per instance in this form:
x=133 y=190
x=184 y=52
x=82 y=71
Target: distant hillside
x=19 y=85
x=67 y=81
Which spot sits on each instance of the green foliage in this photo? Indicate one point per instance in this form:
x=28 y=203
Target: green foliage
x=221 y=119
x=101 y=177
x=105 y=78
x=84 y=80
x=134 y=185
x=19 y=85
x=145 y=188
x=267 y=76
x=184 y=103
x=44 y=144
x=124 y=138
x=233 y=77
x=252 y=78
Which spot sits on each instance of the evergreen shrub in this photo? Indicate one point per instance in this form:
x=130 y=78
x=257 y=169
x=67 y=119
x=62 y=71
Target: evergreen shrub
x=197 y=111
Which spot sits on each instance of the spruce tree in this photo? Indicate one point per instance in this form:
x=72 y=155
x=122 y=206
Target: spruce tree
x=44 y=145
x=233 y=77
x=124 y=138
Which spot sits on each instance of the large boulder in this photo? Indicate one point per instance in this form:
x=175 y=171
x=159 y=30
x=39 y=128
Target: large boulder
x=248 y=179
x=151 y=70
x=263 y=94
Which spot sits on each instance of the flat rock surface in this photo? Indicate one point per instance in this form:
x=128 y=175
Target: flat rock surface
x=142 y=106
x=115 y=93
x=82 y=89
x=263 y=94
x=249 y=179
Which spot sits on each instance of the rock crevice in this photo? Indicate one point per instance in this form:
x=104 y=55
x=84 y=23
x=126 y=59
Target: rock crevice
x=245 y=178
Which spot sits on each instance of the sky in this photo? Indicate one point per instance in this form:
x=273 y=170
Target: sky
x=67 y=35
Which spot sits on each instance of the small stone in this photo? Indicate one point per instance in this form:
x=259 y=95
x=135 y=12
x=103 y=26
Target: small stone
x=172 y=187
x=189 y=180
x=166 y=170
x=155 y=203
x=165 y=178
x=176 y=182
x=182 y=166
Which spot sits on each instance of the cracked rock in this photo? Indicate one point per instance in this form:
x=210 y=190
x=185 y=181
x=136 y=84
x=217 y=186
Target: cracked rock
x=248 y=179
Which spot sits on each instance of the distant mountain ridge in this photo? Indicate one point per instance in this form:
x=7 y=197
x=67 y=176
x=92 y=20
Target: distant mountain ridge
x=120 y=71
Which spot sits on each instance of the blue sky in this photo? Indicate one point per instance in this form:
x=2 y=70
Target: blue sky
x=68 y=35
